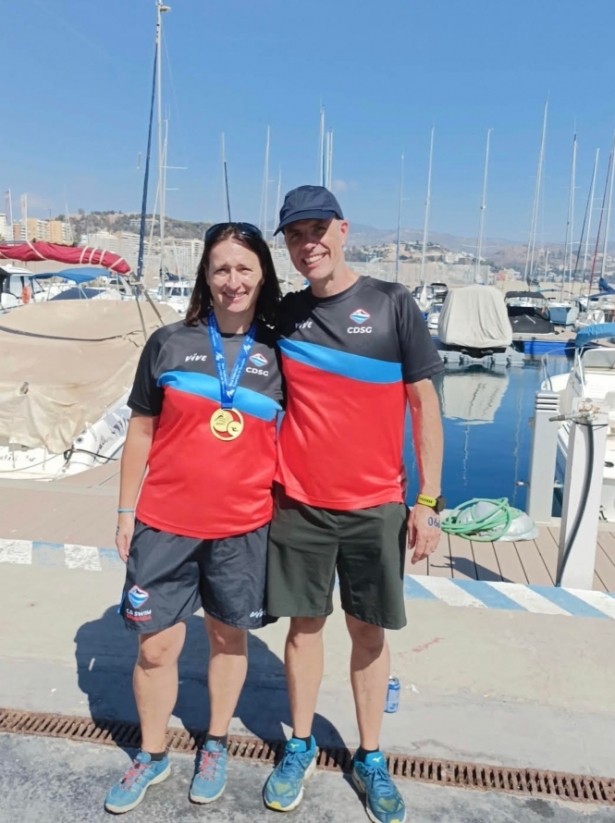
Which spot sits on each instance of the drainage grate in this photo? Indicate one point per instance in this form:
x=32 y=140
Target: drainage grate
x=527 y=782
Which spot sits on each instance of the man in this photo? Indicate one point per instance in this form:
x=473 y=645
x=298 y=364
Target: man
x=355 y=352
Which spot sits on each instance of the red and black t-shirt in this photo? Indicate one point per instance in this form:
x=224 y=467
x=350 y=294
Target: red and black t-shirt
x=198 y=485
x=346 y=360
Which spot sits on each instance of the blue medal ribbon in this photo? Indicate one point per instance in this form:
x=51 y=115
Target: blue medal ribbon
x=228 y=385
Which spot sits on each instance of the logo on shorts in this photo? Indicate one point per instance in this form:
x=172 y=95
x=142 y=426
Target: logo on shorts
x=360 y=316
x=137 y=597
x=258 y=360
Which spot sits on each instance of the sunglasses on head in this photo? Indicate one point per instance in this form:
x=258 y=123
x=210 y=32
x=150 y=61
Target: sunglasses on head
x=243 y=228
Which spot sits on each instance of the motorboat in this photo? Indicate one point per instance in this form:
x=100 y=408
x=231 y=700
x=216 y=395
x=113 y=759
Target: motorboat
x=592 y=377
x=433 y=317
x=19 y=286
x=65 y=373
x=176 y=294
x=424 y=296
x=528 y=312
x=474 y=329
x=563 y=311
x=440 y=290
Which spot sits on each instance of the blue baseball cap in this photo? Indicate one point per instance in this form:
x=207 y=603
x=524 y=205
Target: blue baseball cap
x=308 y=203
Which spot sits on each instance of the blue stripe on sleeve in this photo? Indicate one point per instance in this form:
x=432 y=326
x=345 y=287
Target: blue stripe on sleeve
x=344 y=364
x=246 y=401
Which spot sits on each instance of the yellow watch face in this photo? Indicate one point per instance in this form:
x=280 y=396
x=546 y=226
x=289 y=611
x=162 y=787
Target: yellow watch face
x=427 y=501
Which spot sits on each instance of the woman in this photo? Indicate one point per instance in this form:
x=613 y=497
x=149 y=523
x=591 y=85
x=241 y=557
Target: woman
x=204 y=405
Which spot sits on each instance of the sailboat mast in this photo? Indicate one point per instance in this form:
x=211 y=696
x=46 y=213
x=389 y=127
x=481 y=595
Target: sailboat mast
x=568 y=241
x=427 y=204
x=608 y=211
x=265 y=198
x=529 y=260
x=321 y=149
x=481 y=219
x=160 y=9
x=142 y=226
x=589 y=210
x=278 y=200
x=225 y=193
x=401 y=197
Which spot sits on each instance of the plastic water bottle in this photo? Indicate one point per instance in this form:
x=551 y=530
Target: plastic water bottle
x=392 y=703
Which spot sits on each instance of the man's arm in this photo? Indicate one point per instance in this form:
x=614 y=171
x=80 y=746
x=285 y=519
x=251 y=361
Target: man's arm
x=424 y=523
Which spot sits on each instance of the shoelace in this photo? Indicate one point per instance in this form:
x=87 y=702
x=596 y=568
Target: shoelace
x=291 y=763
x=133 y=774
x=378 y=779
x=209 y=764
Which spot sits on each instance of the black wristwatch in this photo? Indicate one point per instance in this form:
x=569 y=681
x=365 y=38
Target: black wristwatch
x=438 y=504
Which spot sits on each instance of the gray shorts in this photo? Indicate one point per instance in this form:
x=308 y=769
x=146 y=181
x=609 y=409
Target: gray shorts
x=169 y=578
x=367 y=548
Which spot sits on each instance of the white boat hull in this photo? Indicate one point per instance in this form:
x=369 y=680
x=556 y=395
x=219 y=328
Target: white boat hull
x=96 y=445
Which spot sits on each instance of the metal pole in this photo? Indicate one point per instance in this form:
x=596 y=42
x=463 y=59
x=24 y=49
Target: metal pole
x=608 y=212
x=529 y=260
x=427 y=203
x=481 y=220
x=401 y=196
x=590 y=207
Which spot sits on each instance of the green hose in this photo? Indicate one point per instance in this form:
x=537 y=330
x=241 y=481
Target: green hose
x=484 y=529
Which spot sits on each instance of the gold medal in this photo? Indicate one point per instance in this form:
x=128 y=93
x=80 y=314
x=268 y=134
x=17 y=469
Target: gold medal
x=226 y=424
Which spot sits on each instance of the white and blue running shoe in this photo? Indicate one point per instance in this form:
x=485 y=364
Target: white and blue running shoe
x=130 y=791
x=284 y=787
x=209 y=779
x=383 y=802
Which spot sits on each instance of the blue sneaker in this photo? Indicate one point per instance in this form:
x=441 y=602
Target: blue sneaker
x=209 y=779
x=130 y=791
x=383 y=803
x=284 y=787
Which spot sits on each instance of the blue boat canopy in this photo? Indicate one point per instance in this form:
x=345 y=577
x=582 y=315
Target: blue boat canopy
x=81 y=274
x=597 y=332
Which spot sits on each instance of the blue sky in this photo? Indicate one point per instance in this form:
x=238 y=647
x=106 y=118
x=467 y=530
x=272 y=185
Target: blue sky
x=77 y=80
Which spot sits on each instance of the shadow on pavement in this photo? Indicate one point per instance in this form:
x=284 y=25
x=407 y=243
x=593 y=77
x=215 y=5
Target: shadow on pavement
x=105 y=654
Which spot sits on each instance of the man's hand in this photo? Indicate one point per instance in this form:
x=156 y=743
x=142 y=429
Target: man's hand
x=424 y=529
x=123 y=534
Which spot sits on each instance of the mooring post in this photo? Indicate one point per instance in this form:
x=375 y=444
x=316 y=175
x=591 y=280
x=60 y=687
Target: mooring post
x=590 y=420
x=543 y=457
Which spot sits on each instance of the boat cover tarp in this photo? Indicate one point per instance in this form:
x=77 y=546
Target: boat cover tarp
x=471 y=395
x=71 y=255
x=475 y=317
x=64 y=364
x=599 y=331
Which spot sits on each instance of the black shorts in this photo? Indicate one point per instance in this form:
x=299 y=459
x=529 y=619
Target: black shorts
x=367 y=547
x=170 y=577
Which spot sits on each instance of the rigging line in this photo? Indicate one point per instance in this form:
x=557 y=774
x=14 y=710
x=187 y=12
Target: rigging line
x=587 y=211
x=595 y=257
x=174 y=93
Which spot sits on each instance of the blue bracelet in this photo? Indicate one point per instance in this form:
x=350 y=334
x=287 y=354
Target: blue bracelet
x=125 y=511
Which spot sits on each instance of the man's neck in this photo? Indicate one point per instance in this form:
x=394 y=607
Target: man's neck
x=336 y=283
x=231 y=323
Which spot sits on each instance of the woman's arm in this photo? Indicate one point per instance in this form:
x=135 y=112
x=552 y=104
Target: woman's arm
x=139 y=438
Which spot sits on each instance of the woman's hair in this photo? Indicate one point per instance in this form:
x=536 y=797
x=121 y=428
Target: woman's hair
x=270 y=295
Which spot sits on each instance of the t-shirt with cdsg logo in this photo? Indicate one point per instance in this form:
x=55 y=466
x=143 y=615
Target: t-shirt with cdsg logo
x=346 y=361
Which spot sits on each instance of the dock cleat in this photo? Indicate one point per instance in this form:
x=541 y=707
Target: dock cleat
x=383 y=802
x=284 y=787
x=209 y=779
x=130 y=791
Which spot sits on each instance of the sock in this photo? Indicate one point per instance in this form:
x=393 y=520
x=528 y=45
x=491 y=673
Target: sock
x=222 y=739
x=156 y=757
x=361 y=753
x=306 y=740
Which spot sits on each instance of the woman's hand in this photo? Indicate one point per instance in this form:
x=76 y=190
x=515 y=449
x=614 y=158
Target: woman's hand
x=123 y=534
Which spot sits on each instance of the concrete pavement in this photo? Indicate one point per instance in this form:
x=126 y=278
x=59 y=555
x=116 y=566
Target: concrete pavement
x=66 y=783
x=502 y=687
